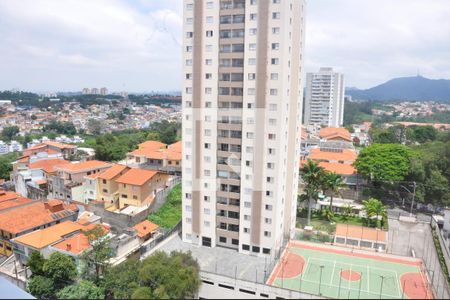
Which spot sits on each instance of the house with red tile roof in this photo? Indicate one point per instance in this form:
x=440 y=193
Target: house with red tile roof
x=158 y=156
x=138 y=187
x=65 y=184
x=30 y=217
x=145 y=230
x=66 y=150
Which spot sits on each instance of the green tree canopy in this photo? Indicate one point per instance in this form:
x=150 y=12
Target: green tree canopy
x=36 y=263
x=60 y=268
x=9 y=132
x=41 y=287
x=384 y=162
x=82 y=290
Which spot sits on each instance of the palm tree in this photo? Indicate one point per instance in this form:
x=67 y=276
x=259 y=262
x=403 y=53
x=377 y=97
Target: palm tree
x=375 y=208
x=312 y=176
x=333 y=183
x=347 y=210
x=328 y=214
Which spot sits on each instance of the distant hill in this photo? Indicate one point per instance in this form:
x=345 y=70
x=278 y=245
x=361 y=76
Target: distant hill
x=416 y=88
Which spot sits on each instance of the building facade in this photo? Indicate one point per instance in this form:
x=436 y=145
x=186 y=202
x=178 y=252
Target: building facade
x=241 y=121
x=324 y=98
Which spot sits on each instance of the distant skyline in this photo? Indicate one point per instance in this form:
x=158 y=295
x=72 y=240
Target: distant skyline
x=134 y=45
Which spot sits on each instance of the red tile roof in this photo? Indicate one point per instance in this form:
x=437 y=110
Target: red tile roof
x=84 y=166
x=112 y=172
x=144 y=228
x=342 y=169
x=59 y=145
x=345 y=155
x=152 y=145
x=335 y=132
x=136 y=176
x=10 y=199
x=33 y=215
x=76 y=244
x=48 y=165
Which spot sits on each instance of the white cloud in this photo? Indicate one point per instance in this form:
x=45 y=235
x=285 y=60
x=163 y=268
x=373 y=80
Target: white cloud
x=135 y=44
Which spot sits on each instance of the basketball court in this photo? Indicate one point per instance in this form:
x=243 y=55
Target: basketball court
x=342 y=273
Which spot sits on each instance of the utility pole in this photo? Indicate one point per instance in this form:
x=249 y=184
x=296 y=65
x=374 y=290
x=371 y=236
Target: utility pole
x=414 y=196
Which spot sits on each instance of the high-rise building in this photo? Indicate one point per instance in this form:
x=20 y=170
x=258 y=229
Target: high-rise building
x=86 y=91
x=103 y=91
x=94 y=91
x=241 y=120
x=324 y=98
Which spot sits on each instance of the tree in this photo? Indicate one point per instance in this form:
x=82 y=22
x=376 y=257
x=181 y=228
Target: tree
x=384 y=162
x=36 y=263
x=312 y=176
x=328 y=214
x=142 y=293
x=333 y=183
x=60 y=268
x=100 y=251
x=347 y=211
x=174 y=276
x=424 y=134
x=95 y=126
x=120 y=281
x=82 y=290
x=41 y=287
x=9 y=132
x=6 y=164
x=375 y=208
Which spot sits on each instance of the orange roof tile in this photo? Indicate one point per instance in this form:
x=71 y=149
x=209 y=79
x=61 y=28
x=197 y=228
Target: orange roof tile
x=333 y=132
x=144 y=228
x=136 y=176
x=177 y=147
x=59 y=145
x=342 y=169
x=149 y=153
x=33 y=215
x=8 y=195
x=345 y=155
x=84 y=166
x=6 y=204
x=153 y=145
x=112 y=172
x=75 y=244
x=360 y=232
x=48 y=165
x=48 y=236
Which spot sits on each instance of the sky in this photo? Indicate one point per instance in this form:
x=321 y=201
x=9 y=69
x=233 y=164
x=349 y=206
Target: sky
x=135 y=45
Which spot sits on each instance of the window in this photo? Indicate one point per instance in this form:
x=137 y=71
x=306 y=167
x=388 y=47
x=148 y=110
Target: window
x=208 y=76
x=253 y=17
x=188 y=220
x=188 y=90
x=252 y=61
x=235 y=241
x=189 y=6
x=274 y=76
x=209 y=20
x=209 y=5
x=275 y=61
x=268 y=221
x=188 y=48
x=253 y=2
x=189 y=76
x=270 y=165
x=275 y=30
x=246 y=230
x=189 y=20
x=206 y=223
x=267 y=234
x=208 y=62
x=272 y=136
x=222 y=239
x=276 y=15
x=266 y=251
x=252 y=31
x=268 y=207
x=188 y=62
x=245 y=247
x=272 y=107
x=251 y=76
x=275 y=46
x=208 y=90
x=255 y=249
x=273 y=92
x=209 y=33
x=251 y=91
x=209 y=48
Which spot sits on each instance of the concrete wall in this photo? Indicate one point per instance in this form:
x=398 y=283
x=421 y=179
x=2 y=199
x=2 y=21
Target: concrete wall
x=216 y=286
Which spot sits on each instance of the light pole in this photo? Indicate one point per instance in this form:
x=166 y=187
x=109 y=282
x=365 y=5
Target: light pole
x=320 y=280
x=381 y=288
x=413 y=195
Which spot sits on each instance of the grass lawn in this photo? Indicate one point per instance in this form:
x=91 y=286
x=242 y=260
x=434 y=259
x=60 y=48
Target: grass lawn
x=320 y=223
x=169 y=214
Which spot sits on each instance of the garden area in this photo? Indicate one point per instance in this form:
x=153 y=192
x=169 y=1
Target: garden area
x=169 y=215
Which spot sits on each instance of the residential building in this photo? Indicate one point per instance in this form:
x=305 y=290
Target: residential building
x=103 y=91
x=138 y=187
x=157 y=156
x=9 y=199
x=145 y=230
x=65 y=184
x=52 y=147
x=4 y=148
x=32 y=216
x=324 y=98
x=242 y=92
x=108 y=188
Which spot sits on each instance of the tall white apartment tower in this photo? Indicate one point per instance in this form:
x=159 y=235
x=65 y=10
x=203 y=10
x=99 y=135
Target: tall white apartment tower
x=324 y=98
x=242 y=94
